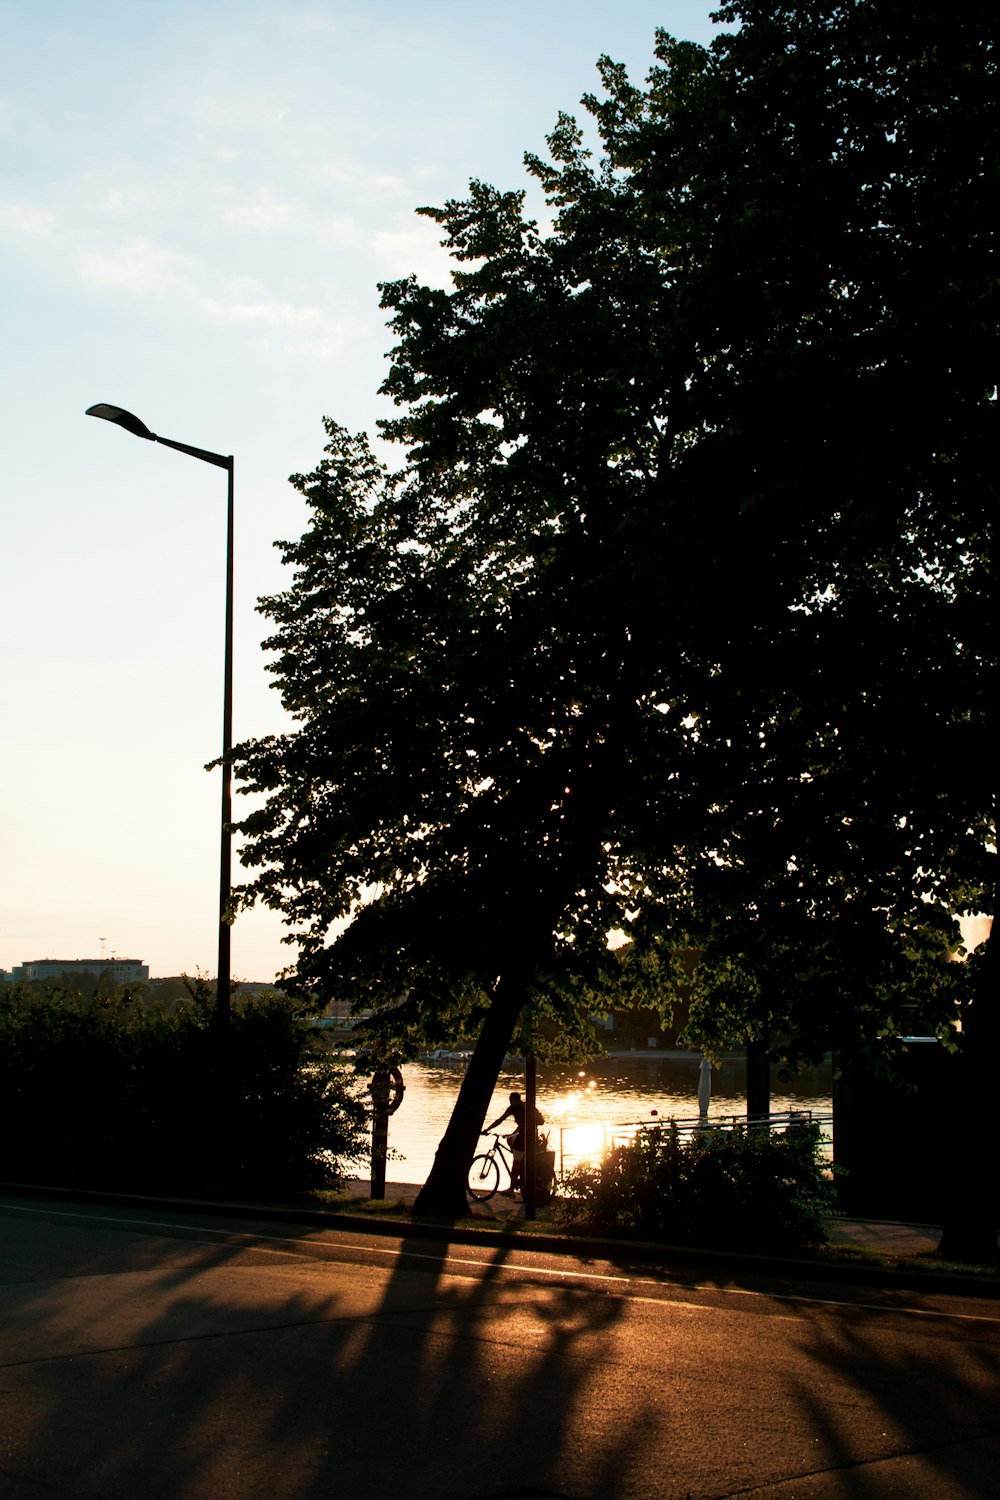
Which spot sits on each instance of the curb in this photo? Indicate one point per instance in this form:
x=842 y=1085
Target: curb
x=968 y=1284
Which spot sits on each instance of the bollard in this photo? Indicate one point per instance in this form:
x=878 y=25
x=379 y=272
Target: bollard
x=387 y=1089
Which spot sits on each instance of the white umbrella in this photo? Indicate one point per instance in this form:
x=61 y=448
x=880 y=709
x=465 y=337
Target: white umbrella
x=704 y=1087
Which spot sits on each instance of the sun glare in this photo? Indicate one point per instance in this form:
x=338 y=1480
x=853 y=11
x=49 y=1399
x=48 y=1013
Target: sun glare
x=581 y=1137
x=585 y=1142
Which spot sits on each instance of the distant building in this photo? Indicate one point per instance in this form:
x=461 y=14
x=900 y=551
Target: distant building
x=120 y=970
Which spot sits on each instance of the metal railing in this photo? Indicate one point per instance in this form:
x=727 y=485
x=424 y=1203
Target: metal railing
x=690 y=1126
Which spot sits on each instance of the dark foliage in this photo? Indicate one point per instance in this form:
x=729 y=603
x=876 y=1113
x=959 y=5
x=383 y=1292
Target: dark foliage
x=102 y=1091
x=750 y=1189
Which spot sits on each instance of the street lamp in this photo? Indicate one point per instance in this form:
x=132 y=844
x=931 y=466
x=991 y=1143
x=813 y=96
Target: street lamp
x=132 y=424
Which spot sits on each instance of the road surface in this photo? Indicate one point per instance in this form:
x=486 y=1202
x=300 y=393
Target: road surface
x=156 y=1354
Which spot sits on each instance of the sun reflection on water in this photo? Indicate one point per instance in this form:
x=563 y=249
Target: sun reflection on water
x=582 y=1135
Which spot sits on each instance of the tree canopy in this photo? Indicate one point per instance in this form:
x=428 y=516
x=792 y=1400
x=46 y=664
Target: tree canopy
x=672 y=616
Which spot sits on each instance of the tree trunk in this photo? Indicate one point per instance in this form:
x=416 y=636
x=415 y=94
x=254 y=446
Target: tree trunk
x=759 y=1077
x=970 y=1227
x=444 y=1192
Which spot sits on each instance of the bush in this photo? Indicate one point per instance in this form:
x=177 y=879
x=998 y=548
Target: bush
x=747 y=1188
x=108 y=1091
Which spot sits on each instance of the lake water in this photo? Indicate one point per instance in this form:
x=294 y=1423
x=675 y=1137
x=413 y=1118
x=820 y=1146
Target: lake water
x=584 y=1105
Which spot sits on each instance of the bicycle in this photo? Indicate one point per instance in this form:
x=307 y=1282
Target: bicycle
x=484 y=1174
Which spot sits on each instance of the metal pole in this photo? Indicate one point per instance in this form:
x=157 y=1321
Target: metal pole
x=131 y=423
x=223 y=981
x=380 y=1131
x=529 y=1186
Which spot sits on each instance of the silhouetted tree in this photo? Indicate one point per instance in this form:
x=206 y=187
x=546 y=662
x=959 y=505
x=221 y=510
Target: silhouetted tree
x=580 y=662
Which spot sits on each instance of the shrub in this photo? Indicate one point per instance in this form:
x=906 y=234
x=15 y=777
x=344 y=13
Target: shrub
x=108 y=1091
x=748 y=1187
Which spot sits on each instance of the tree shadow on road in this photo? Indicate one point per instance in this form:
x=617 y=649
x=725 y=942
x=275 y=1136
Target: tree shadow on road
x=919 y=1387
x=164 y=1367
x=498 y=1383
x=155 y=1362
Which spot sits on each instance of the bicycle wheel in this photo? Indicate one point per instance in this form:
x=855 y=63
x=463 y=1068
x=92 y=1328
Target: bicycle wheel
x=484 y=1178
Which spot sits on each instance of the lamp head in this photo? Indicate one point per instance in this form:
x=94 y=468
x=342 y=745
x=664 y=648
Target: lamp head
x=121 y=418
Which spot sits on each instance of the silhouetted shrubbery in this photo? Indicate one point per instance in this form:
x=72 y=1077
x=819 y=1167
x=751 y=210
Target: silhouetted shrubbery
x=746 y=1188
x=109 y=1091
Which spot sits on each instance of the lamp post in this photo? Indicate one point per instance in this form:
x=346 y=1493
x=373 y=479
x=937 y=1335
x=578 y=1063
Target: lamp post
x=132 y=424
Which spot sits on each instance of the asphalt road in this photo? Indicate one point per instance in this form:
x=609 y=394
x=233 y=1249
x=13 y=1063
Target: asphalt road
x=148 y=1354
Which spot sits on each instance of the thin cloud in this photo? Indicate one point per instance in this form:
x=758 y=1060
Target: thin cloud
x=27 y=220
x=131 y=200
x=265 y=214
x=143 y=268
x=376 y=187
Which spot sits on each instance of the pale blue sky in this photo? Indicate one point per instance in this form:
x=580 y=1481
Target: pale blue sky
x=196 y=205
